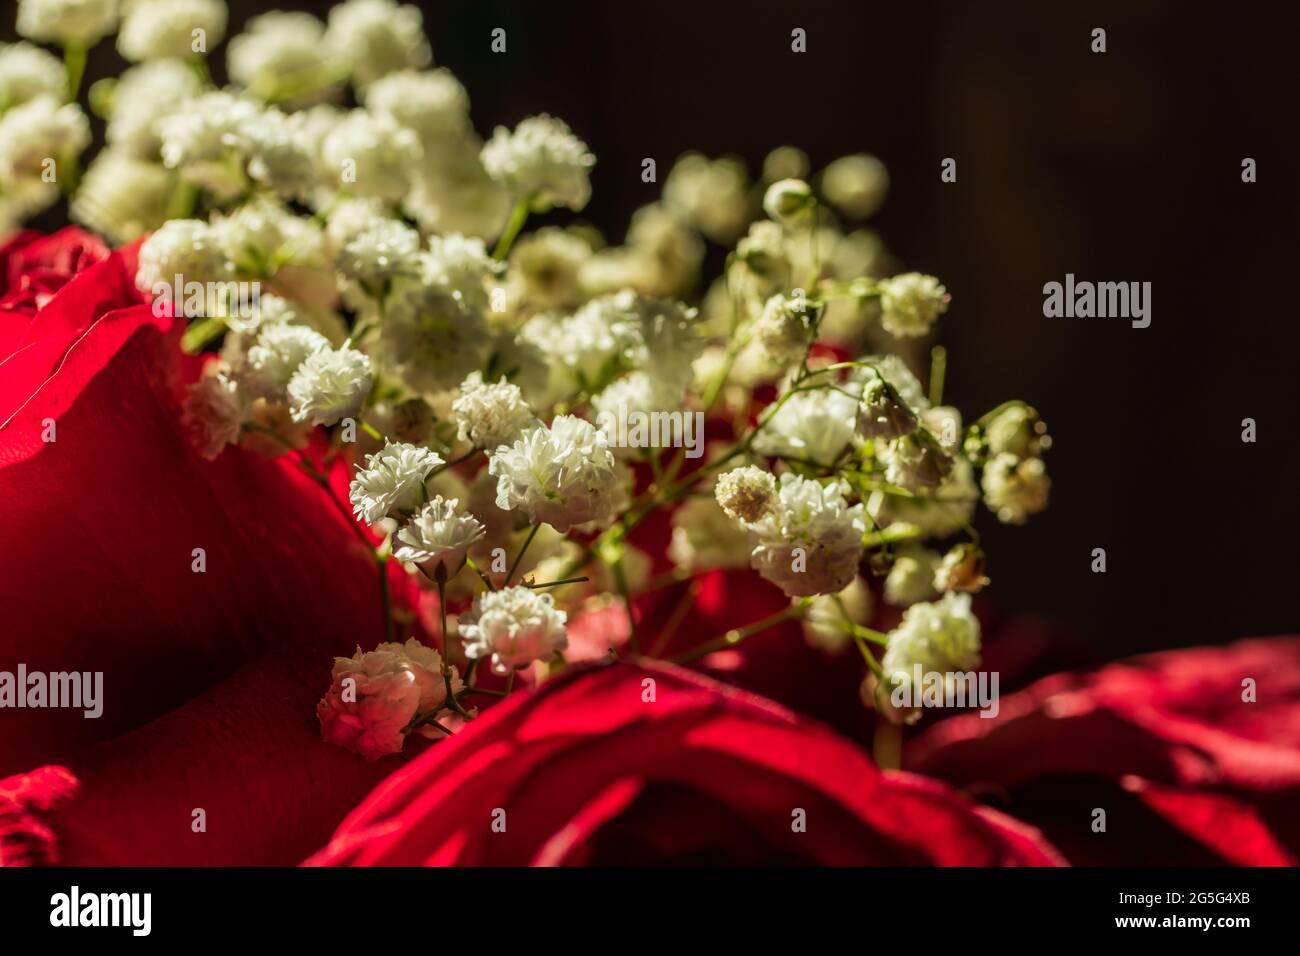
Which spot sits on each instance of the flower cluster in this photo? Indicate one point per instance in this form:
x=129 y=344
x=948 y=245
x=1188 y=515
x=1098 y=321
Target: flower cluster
x=512 y=405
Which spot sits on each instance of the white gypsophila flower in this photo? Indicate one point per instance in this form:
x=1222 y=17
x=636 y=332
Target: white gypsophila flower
x=522 y=363
x=911 y=579
x=910 y=303
x=712 y=193
x=271 y=311
x=377 y=37
x=184 y=247
x=666 y=341
x=430 y=336
x=855 y=185
x=392 y=481
x=915 y=462
x=330 y=385
x=947 y=509
x=943 y=637
x=310 y=127
x=785 y=162
x=640 y=398
x=562 y=475
x=514 y=627
x=811 y=426
x=439 y=534
x=490 y=415
x=762 y=265
x=545 y=267
x=747 y=494
x=1015 y=488
x=616 y=268
x=371 y=155
x=280 y=58
x=585 y=349
x=263 y=235
x=279 y=351
x=669 y=252
x=348 y=218
x=68 y=23
x=383 y=249
x=704 y=538
x=27 y=72
x=281 y=154
x=153 y=29
x=635 y=394
x=433 y=104
x=1019 y=431
x=376 y=695
x=454 y=193
x=206 y=141
x=38 y=132
x=213 y=411
x=541 y=163
x=789 y=202
x=462 y=266
x=782 y=331
x=141 y=97
x=829 y=618
x=122 y=197
x=810 y=541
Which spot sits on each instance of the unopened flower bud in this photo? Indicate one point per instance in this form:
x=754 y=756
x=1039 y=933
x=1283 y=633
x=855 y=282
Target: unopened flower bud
x=1018 y=430
x=788 y=201
x=882 y=415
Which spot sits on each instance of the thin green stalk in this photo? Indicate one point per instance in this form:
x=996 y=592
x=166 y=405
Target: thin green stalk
x=735 y=636
x=510 y=574
x=518 y=216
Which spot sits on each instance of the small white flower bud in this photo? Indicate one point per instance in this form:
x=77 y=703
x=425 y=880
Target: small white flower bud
x=789 y=201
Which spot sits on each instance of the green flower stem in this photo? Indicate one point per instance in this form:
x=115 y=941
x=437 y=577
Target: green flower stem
x=454 y=462
x=385 y=598
x=556 y=584
x=518 y=216
x=487 y=582
x=201 y=333
x=510 y=574
x=440 y=578
x=74 y=65
x=735 y=636
x=938 y=371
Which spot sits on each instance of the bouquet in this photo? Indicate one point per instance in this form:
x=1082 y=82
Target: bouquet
x=536 y=449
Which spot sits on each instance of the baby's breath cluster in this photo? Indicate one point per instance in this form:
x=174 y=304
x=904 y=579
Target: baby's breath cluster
x=514 y=403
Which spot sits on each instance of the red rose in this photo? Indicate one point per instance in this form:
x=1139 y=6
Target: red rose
x=588 y=770
x=1193 y=754
x=36 y=266
x=209 y=678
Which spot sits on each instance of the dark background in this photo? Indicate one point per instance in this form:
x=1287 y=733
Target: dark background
x=1123 y=166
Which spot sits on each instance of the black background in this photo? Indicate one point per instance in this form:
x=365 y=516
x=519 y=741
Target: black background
x=1123 y=166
